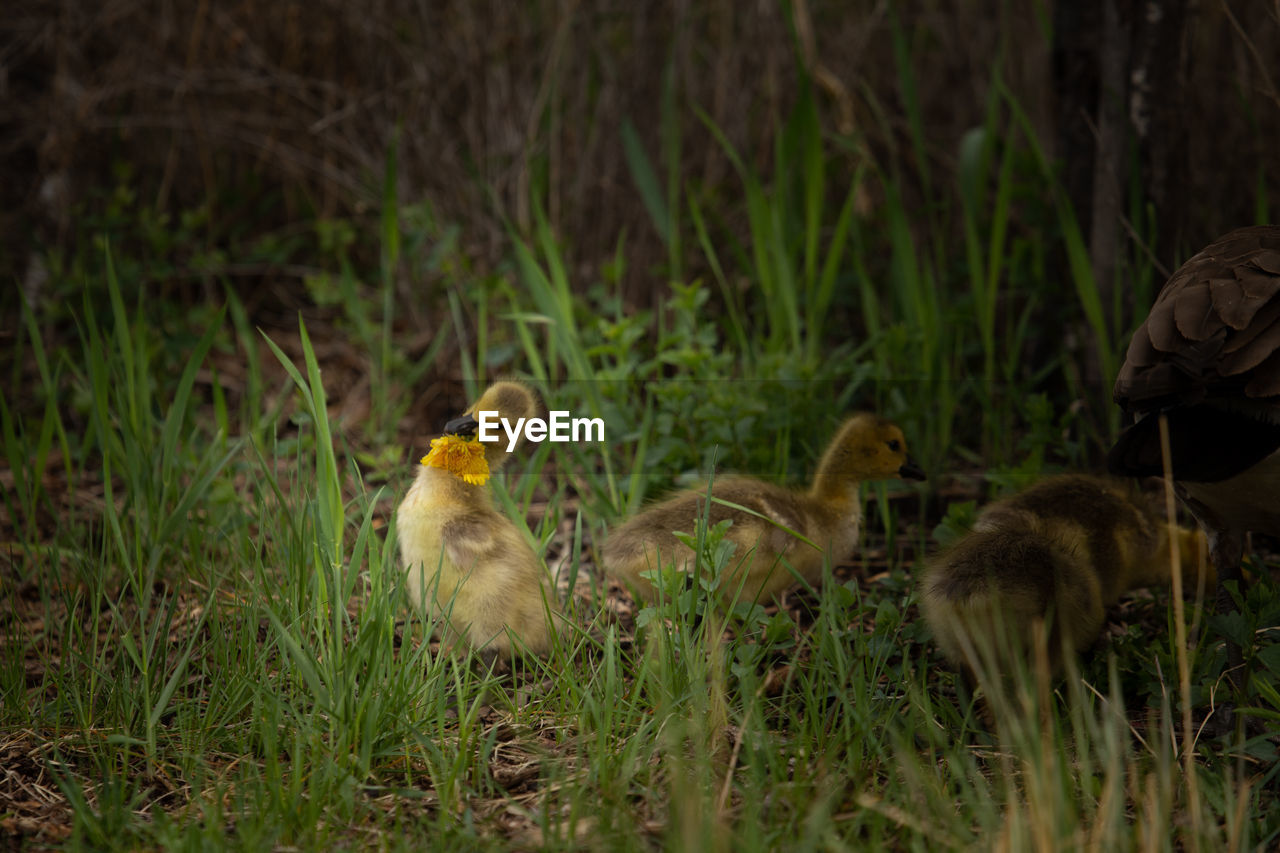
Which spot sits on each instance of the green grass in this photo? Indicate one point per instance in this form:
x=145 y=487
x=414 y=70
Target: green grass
x=206 y=644
x=218 y=653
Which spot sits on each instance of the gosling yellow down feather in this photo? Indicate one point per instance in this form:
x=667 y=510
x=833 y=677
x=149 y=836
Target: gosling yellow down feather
x=768 y=557
x=1058 y=553
x=467 y=565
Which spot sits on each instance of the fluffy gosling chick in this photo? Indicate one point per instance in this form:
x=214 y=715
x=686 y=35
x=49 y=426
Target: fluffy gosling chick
x=1058 y=553
x=467 y=565
x=768 y=557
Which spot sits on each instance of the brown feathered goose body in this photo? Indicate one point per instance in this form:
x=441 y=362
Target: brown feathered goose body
x=1208 y=358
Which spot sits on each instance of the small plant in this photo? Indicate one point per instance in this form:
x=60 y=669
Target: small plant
x=689 y=594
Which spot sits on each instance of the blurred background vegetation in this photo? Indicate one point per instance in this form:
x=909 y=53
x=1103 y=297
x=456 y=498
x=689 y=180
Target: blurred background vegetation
x=980 y=192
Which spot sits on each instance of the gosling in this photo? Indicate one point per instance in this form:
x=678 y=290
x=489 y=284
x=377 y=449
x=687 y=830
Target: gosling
x=769 y=556
x=468 y=569
x=1058 y=554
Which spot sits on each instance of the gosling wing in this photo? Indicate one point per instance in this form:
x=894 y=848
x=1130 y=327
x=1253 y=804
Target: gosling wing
x=469 y=539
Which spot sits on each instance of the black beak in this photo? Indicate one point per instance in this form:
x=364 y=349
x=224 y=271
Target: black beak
x=911 y=471
x=465 y=425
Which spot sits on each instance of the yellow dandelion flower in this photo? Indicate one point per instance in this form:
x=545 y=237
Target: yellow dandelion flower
x=460 y=457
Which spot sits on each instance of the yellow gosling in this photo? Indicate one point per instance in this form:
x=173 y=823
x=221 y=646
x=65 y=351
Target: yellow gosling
x=1056 y=555
x=468 y=567
x=768 y=556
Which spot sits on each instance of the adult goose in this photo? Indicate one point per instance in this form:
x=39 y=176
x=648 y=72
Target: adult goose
x=1208 y=358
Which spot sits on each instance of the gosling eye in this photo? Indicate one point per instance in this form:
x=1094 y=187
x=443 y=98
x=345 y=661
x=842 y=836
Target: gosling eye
x=895 y=445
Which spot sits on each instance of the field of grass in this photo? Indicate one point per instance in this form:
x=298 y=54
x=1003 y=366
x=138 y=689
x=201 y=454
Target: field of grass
x=205 y=642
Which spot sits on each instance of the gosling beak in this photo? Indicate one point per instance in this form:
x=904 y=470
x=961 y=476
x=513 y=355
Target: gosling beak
x=465 y=425
x=911 y=471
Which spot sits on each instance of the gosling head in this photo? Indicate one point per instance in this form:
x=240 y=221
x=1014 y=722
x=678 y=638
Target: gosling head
x=867 y=447
x=514 y=403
